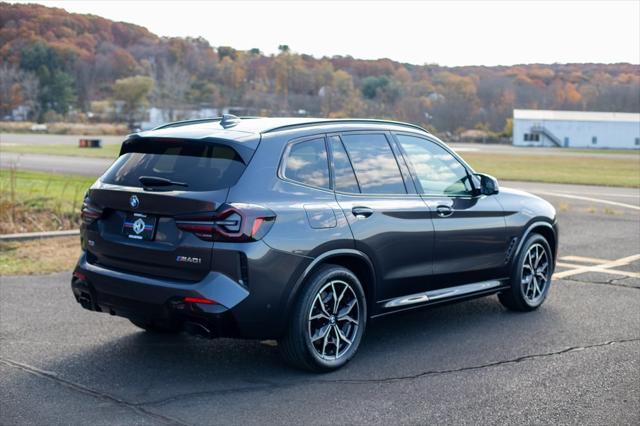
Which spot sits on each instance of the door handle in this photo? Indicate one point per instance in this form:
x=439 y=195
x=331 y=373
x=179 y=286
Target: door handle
x=362 y=212
x=444 y=211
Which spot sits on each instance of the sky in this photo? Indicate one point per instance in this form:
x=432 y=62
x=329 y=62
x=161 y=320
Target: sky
x=449 y=33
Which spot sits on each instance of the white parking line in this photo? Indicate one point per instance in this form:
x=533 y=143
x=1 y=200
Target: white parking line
x=598 y=269
x=578 y=197
x=603 y=268
x=601 y=193
x=584 y=259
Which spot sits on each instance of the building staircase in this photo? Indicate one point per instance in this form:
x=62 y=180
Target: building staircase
x=539 y=129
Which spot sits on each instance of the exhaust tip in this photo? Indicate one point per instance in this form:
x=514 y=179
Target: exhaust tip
x=196 y=328
x=85 y=300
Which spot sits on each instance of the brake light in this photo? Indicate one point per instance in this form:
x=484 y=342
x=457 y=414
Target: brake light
x=234 y=222
x=80 y=276
x=201 y=300
x=89 y=211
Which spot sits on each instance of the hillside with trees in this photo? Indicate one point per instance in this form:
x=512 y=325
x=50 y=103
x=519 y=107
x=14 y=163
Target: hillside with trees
x=56 y=65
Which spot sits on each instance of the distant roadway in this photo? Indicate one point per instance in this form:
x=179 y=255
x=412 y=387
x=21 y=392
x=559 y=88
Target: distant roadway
x=7 y=139
x=86 y=166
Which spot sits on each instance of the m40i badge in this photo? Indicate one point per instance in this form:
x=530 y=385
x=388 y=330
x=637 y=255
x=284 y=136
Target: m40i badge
x=188 y=259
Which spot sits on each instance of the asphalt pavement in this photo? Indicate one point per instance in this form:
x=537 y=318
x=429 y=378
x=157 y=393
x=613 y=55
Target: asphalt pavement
x=574 y=361
x=49 y=139
x=83 y=166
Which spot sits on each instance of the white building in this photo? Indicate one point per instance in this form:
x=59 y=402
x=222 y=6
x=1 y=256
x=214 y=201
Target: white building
x=576 y=129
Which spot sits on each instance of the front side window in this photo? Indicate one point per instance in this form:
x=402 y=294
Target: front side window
x=374 y=163
x=439 y=172
x=307 y=163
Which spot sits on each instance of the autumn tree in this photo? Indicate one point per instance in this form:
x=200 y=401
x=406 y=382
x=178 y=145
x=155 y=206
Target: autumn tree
x=172 y=84
x=10 y=90
x=133 y=92
x=57 y=86
x=67 y=60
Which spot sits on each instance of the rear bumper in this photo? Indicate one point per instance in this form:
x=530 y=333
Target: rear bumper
x=252 y=311
x=161 y=301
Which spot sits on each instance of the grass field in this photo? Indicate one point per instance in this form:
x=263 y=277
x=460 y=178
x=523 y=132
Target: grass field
x=31 y=201
x=39 y=256
x=561 y=169
x=98 y=129
x=591 y=170
x=600 y=151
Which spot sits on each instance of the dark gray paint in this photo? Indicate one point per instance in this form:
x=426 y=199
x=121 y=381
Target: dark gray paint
x=403 y=245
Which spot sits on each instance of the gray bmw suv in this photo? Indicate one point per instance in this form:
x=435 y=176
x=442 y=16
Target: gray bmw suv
x=302 y=230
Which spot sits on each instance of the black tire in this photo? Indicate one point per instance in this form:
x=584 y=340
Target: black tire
x=297 y=347
x=519 y=297
x=155 y=328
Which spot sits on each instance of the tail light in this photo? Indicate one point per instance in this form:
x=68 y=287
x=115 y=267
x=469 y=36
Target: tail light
x=89 y=211
x=234 y=222
x=200 y=300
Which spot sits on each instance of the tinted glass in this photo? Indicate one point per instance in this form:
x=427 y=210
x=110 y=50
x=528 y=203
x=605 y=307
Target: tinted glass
x=345 y=178
x=438 y=171
x=375 y=165
x=201 y=166
x=307 y=163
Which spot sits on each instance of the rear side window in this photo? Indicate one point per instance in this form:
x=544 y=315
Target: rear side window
x=198 y=165
x=306 y=162
x=343 y=174
x=374 y=163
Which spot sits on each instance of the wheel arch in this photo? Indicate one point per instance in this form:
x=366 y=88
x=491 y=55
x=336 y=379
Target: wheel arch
x=547 y=230
x=355 y=261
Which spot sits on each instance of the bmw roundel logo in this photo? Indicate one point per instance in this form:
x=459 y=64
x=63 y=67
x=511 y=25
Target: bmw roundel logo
x=133 y=201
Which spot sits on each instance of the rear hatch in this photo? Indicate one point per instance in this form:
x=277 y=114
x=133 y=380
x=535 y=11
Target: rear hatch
x=139 y=198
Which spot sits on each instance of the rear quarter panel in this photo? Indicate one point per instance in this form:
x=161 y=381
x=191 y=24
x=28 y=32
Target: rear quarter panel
x=308 y=222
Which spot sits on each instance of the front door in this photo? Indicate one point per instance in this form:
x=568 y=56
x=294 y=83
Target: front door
x=471 y=241
x=389 y=220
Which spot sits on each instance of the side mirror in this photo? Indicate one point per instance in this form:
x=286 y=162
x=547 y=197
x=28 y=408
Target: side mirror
x=488 y=184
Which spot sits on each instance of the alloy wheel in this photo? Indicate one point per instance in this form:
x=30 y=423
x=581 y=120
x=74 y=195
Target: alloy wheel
x=535 y=274
x=333 y=320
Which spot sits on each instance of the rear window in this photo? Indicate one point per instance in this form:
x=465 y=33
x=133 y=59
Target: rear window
x=200 y=166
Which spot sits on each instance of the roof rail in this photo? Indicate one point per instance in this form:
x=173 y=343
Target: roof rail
x=200 y=120
x=186 y=122
x=344 y=120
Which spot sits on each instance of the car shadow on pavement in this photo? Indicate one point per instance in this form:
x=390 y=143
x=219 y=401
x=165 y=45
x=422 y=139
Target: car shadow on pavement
x=153 y=368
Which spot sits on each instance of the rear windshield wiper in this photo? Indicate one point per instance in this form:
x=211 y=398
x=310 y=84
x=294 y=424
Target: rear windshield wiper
x=159 y=181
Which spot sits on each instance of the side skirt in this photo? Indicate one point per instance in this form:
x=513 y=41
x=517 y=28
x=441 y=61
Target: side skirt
x=432 y=297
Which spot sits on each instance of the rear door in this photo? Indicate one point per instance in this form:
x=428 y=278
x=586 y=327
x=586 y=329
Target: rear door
x=470 y=232
x=389 y=220
x=136 y=231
